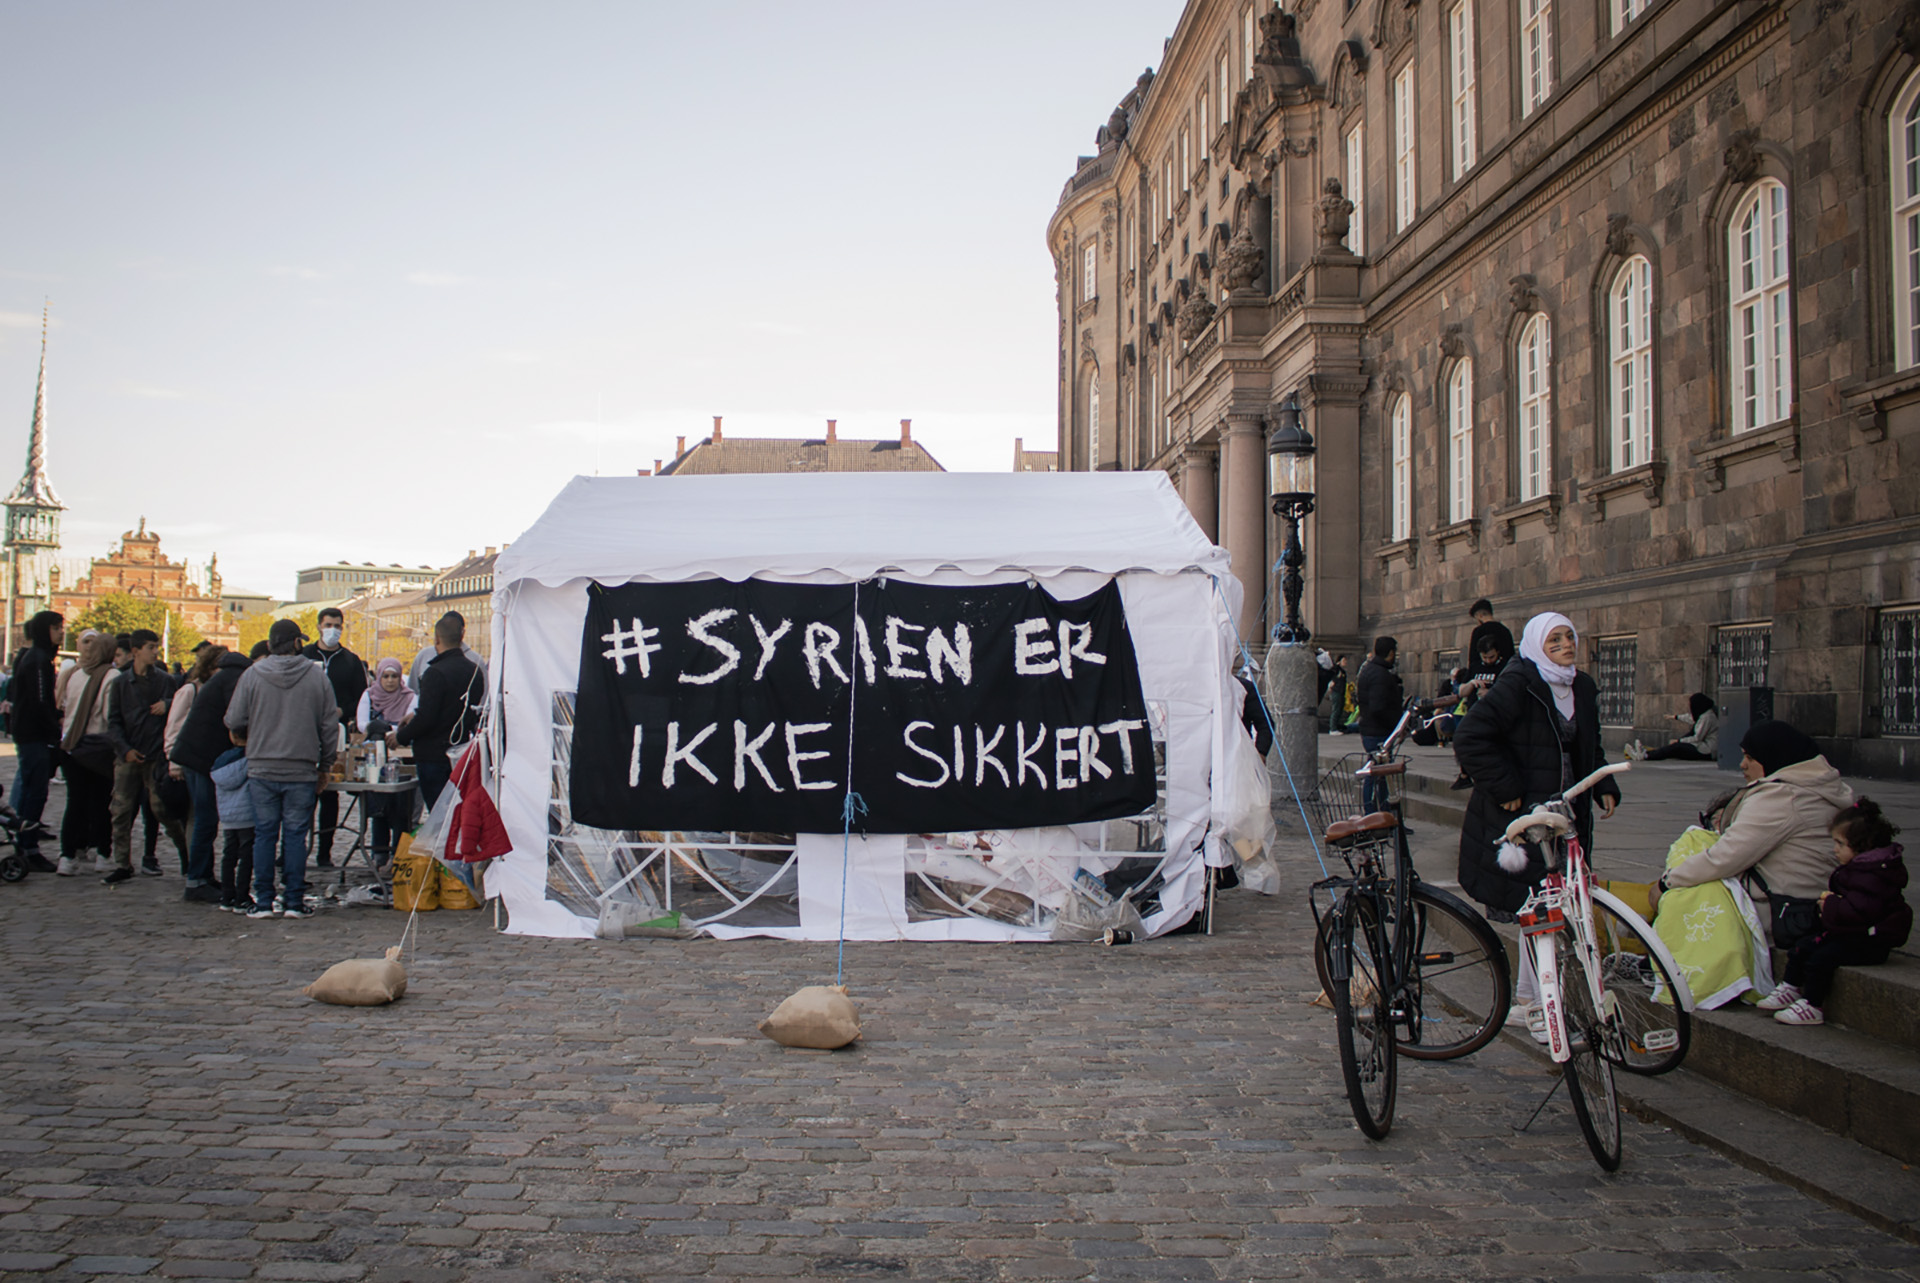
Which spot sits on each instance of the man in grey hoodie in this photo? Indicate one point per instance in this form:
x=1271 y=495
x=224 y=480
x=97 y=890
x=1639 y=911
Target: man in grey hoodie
x=283 y=710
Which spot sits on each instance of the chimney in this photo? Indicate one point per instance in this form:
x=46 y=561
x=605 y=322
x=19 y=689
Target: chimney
x=647 y=472
x=716 y=429
x=679 y=446
x=906 y=432
x=656 y=468
x=833 y=429
x=492 y=551
x=1019 y=453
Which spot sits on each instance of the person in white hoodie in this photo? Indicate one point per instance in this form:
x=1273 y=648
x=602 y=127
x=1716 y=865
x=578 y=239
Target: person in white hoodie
x=284 y=711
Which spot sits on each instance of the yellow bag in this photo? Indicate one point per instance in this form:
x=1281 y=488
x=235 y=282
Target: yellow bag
x=453 y=891
x=1636 y=896
x=416 y=881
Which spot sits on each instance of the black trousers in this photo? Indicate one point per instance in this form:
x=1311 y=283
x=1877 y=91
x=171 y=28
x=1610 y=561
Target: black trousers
x=329 y=813
x=1676 y=752
x=1811 y=964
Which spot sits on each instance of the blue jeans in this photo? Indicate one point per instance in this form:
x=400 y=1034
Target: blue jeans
x=1373 y=793
x=30 y=782
x=206 y=819
x=282 y=817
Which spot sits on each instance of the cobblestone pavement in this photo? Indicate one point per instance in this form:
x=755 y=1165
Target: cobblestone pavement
x=171 y=1106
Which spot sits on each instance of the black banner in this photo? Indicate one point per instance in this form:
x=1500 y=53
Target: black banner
x=717 y=705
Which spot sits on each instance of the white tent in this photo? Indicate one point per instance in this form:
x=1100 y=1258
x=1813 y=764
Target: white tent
x=1070 y=532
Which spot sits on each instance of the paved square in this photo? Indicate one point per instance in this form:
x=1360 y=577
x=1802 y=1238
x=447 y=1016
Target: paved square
x=171 y=1106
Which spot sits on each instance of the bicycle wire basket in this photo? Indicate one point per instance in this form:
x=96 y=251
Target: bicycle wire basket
x=1336 y=794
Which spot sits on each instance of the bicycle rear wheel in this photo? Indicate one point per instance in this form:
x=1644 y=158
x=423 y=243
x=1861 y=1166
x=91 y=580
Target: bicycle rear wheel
x=1651 y=1030
x=1589 y=1072
x=1458 y=980
x=1364 y=1019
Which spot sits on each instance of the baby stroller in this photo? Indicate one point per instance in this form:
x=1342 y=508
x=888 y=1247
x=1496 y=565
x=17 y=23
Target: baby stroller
x=13 y=865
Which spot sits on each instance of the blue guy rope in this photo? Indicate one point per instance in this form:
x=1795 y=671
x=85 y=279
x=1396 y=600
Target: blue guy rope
x=1266 y=715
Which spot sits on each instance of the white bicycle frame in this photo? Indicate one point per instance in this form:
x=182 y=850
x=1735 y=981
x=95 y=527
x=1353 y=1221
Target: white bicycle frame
x=1564 y=902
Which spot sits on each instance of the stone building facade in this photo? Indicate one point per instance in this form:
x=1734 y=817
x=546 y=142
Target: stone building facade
x=1610 y=308
x=138 y=567
x=721 y=455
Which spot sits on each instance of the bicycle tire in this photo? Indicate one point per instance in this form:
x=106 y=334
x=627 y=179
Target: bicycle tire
x=1588 y=1071
x=1362 y=1013
x=1652 y=1031
x=1459 y=983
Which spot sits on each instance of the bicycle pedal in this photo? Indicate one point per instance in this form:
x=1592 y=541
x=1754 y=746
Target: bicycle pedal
x=1435 y=959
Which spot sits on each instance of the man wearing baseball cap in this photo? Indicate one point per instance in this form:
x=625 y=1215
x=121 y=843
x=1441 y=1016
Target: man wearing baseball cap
x=284 y=712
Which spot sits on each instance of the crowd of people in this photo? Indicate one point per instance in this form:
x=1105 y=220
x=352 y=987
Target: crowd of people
x=240 y=745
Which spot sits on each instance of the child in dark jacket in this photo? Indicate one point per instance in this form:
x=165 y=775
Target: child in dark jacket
x=1863 y=915
x=236 y=819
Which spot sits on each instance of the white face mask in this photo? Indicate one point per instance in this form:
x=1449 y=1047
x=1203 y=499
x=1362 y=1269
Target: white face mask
x=329 y=636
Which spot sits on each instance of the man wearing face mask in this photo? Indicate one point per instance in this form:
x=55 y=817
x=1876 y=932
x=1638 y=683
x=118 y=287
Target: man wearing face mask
x=346 y=673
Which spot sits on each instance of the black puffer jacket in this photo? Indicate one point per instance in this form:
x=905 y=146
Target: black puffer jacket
x=1510 y=743
x=1381 y=698
x=204 y=738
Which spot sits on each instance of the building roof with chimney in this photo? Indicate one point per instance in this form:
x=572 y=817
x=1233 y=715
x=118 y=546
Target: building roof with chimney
x=1025 y=460
x=733 y=456
x=471 y=576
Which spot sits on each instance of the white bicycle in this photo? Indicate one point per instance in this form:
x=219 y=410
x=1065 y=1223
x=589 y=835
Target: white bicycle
x=1610 y=992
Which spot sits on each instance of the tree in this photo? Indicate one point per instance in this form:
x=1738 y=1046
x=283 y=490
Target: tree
x=254 y=628
x=122 y=612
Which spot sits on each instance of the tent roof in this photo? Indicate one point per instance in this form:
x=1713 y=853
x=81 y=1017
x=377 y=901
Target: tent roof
x=616 y=529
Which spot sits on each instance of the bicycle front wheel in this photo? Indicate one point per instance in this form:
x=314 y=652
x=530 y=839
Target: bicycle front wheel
x=1362 y=1011
x=1651 y=1032
x=1458 y=980
x=1588 y=1071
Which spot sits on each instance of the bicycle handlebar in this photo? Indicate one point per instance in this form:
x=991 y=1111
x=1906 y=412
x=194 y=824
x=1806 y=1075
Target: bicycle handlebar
x=1611 y=768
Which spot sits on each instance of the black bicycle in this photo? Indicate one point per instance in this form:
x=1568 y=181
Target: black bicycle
x=1410 y=970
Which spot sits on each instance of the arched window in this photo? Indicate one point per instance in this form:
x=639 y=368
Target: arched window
x=1536 y=409
x=1400 y=447
x=1460 y=442
x=1904 y=131
x=1630 y=331
x=1758 y=277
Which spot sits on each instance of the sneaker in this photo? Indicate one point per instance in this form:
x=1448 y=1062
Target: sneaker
x=1783 y=996
x=258 y=911
x=103 y=864
x=68 y=867
x=1537 y=1024
x=298 y=911
x=117 y=876
x=151 y=868
x=279 y=905
x=1461 y=783
x=1801 y=1012
x=202 y=895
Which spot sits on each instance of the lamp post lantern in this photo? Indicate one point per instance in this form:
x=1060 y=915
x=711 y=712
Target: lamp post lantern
x=1290 y=477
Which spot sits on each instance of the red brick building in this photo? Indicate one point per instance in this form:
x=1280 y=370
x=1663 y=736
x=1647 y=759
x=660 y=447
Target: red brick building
x=139 y=568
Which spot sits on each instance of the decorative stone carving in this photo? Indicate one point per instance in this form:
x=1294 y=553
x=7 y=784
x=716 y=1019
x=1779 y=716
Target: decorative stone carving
x=1336 y=216
x=1522 y=295
x=1299 y=147
x=1195 y=316
x=1109 y=212
x=1086 y=345
x=1280 y=50
x=1202 y=265
x=1742 y=157
x=1453 y=345
x=1394 y=26
x=1619 y=243
x=1116 y=130
x=1395 y=383
x=1349 y=68
x=1908 y=35
x=1303 y=9
x=1242 y=259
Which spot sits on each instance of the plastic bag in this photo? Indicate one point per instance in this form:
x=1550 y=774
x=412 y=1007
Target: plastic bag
x=1258 y=872
x=1083 y=918
x=1247 y=814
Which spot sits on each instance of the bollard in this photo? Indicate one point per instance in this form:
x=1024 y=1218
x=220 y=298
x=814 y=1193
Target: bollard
x=1292 y=689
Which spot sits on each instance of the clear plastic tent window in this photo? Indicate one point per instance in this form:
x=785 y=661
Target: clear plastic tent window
x=1023 y=878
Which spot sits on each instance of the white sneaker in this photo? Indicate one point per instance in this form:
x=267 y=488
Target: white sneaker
x=1801 y=1012
x=1782 y=997
x=1537 y=1024
x=68 y=867
x=102 y=864
x=279 y=905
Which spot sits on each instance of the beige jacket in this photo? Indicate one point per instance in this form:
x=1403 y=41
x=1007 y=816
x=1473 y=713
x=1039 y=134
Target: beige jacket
x=1778 y=825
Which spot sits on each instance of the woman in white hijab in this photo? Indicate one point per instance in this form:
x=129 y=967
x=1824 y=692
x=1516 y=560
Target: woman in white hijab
x=1535 y=731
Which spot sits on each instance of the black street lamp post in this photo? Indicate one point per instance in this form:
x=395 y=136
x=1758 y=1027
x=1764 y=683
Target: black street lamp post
x=1290 y=476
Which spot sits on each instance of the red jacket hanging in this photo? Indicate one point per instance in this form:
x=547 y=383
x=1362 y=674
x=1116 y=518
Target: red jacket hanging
x=477 y=832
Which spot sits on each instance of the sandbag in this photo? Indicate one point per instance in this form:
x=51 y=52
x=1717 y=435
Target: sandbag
x=361 y=982
x=416 y=882
x=819 y=1016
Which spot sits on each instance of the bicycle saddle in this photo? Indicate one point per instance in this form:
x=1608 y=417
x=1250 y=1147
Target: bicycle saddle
x=1550 y=824
x=1355 y=827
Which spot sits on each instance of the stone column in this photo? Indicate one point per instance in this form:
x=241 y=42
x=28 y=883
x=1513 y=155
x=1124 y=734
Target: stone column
x=1243 y=467
x=1198 y=489
x=1292 y=685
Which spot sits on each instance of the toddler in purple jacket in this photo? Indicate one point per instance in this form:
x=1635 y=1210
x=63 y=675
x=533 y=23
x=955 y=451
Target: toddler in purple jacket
x=1863 y=915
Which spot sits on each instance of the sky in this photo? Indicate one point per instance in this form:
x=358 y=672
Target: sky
x=369 y=282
